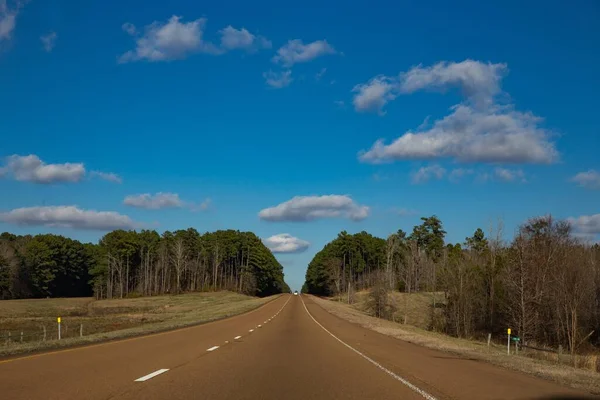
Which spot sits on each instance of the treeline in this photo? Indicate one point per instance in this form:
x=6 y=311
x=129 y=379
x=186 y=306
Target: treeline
x=130 y=263
x=544 y=283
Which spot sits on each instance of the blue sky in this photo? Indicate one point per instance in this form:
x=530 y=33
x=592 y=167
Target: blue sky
x=218 y=112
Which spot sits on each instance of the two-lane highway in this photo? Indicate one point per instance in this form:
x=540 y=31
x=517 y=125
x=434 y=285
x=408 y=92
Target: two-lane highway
x=290 y=348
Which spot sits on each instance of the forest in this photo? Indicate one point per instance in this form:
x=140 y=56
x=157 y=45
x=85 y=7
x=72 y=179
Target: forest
x=131 y=263
x=544 y=282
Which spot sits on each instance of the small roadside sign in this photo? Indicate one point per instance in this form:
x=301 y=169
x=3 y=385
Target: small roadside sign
x=509 y=330
x=58 y=320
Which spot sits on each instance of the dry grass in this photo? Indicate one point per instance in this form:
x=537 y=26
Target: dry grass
x=495 y=354
x=413 y=309
x=110 y=319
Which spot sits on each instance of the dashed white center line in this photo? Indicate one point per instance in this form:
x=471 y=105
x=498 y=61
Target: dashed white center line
x=152 y=375
x=259 y=325
x=236 y=338
x=251 y=330
x=212 y=348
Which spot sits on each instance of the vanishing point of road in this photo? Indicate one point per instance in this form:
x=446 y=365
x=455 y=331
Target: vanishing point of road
x=289 y=349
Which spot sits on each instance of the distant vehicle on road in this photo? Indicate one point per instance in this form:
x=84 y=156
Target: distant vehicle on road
x=295 y=293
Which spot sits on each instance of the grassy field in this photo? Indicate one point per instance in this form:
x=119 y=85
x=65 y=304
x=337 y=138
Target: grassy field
x=550 y=369
x=412 y=309
x=109 y=319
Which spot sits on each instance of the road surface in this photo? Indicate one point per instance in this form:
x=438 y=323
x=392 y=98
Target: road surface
x=289 y=348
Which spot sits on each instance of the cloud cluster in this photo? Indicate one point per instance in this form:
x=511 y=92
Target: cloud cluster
x=586 y=224
x=176 y=40
x=163 y=200
x=107 y=176
x=157 y=201
x=295 y=51
x=375 y=94
x=31 y=168
x=309 y=208
x=509 y=175
x=172 y=40
x=477 y=130
x=424 y=174
x=242 y=39
x=437 y=172
x=588 y=179
x=68 y=217
x=49 y=41
x=278 y=80
x=286 y=243
x=8 y=19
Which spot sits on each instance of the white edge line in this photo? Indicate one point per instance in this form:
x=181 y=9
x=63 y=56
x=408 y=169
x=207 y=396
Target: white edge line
x=384 y=369
x=236 y=338
x=152 y=375
x=212 y=348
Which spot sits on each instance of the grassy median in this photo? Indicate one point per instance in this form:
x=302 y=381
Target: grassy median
x=85 y=320
x=495 y=354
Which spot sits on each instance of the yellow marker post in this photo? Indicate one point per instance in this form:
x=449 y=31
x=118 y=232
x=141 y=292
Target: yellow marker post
x=58 y=320
x=508 y=343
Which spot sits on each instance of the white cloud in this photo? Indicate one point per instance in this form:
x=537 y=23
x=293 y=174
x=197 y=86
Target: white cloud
x=457 y=173
x=286 y=243
x=201 y=206
x=586 y=224
x=278 y=80
x=163 y=200
x=31 y=169
x=295 y=51
x=308 y=208
x=107 y=176
x=405 y=212
x=49 y=41
x=424 y=174
x=478 y=81
x=242 y=39
x=588 y=179
x=374 y=95
x=157 y=201
x=8 y=19
x=477 y=130
x=320 y=74
x=497 y=134
x=129 y=28
x=172 y=40
x=69 y=217
x=509 y=175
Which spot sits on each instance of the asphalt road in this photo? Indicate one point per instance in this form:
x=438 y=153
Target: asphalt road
x=288 y=349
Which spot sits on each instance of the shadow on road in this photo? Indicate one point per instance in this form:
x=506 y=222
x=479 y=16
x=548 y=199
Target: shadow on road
x=563 y=397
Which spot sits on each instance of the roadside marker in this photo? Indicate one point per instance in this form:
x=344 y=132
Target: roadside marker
x=152 y=375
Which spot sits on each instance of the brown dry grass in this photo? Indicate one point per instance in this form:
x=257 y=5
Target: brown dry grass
x=495 y=354
x=110 y=319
